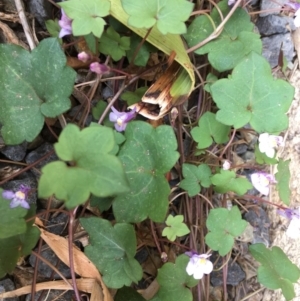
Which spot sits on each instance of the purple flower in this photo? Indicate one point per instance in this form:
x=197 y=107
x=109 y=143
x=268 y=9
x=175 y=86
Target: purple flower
x=65 y=24
x=83 y=56
x=289 y=213
x=231 y=2
x=198 y=265
x=268 y=143
x=17 y=198
x=121 y=118
x=99 y=68
x=296 y=7
x=261 y=181
x=293 y=230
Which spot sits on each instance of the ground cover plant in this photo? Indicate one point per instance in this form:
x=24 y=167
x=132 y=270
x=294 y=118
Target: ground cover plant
x=152 y=168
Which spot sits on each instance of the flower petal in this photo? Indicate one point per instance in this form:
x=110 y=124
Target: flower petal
x=7 y=194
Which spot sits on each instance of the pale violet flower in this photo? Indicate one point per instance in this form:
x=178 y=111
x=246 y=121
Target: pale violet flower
x=83 y=56
x=121 y=118
x=65 y=24
x=296 y=7
x=268 y=144
x=198 y=265
x=226 y=165
x=231 y=2
x=293 y=230
x=17 y=198
x=261 y=182
x=99 y=68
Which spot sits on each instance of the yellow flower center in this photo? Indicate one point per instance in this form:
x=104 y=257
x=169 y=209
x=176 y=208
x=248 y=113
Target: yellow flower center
x=119 y=121
x=202 y=261
x=20 y=195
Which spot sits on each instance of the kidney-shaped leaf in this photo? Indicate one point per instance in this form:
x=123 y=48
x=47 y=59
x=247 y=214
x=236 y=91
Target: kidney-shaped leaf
x=147 y=155
x=112 y=250
x=252 y=95
x=168 y=15
x=32 y=86
x=174 y=280
x=224 y=225
x=276 y=271
x=93 y=168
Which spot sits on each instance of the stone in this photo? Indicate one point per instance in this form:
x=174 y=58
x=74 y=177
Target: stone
x=235 y=274
x=271 y=7
x=260 y=222
x=37 y=154
x=15 y=152
x=6 y=285
x=274 y=24
x=41 y=10
x=272 y=46
x=44 y=270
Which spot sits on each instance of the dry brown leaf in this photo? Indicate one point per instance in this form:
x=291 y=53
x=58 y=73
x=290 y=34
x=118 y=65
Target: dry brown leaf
x=10 y=36
x=150 y=291
x=86 y=285
x=82 y=265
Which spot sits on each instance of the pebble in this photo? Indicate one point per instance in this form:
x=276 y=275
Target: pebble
x=7 y=285
x=15 y=152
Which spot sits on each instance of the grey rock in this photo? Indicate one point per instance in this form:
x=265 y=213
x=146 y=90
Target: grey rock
x=77 y=111
x=241 y=149
x=235 y=274
x=249 y=157
x=274 y=24
x=272 y=45
x=15 y=152
x=57 y=224
x=57 y=295
x=7 y=285
x=107 y=93
x=38 y=153
x=260 y=222
x=41 y=9
x=273 y=7
x=44 y=270
x=27 y=181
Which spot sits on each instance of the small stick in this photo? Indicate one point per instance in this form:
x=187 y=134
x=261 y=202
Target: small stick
x=27 y=30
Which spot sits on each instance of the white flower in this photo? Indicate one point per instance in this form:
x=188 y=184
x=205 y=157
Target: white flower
x=198 y=265
x=261 y=182
x=293 y=230
x=226 y=165
x=268 y=143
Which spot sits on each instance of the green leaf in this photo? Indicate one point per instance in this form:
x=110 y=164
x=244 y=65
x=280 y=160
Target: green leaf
x=32 y=85
x=134 y=97
x=16 y=246
x=98 y=110
x=143 y=55
x=103 y=204
x=12 y=220
x=147 y=154
x=262 y=158
x=128 y=293
x=168 y=15
x=174 y=280
x=283 y=176
x=209 y=128
x=193 y=176
x=53 y=28
x=276 y=271
x=92 y=168
x=235 y=41
x=111 y=43
x=87 y=15
x=176 y=227
x=112 y=250
x=226 y=181
x=224 y=225
x=210 y=79
x=252 y=95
